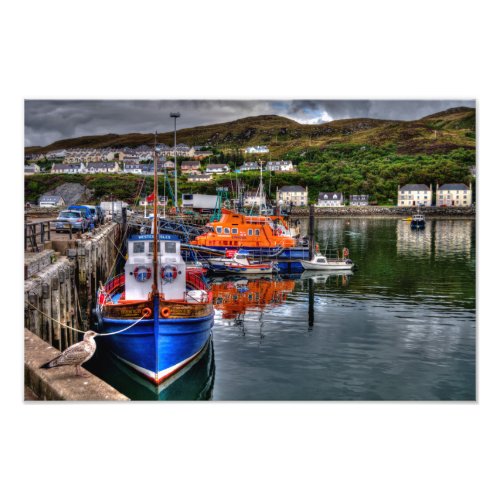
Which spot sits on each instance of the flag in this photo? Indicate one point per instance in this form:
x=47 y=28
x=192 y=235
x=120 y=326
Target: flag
x=150 y=198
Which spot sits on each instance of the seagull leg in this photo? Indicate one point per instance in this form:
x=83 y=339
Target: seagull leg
x=80 y=374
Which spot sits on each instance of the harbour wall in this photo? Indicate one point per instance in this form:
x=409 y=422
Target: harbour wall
x=374 y=211
x=61 y=282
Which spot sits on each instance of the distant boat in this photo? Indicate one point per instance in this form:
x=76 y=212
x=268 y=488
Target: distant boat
x=320 y=263
x=239 y=263
x=418 y=221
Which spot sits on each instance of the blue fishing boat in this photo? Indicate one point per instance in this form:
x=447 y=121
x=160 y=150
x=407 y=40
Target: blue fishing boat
x=158 y=312
x=417 y=221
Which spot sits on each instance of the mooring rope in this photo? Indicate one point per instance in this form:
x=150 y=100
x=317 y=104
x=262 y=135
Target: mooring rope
x=81 y=331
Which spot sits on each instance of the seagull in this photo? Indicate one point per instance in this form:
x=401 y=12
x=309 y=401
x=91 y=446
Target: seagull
x=76 y=354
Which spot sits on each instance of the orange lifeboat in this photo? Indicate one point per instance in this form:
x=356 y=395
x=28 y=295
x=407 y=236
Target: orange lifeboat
x=240 y=230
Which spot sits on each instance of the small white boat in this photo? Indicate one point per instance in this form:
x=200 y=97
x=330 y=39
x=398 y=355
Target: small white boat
x=320 y=263
x=238 y=262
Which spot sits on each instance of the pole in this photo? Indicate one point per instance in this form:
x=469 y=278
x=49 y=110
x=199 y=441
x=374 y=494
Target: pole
x=175 y=116
x=175 y=161
x=155 y=231
x=311 y=231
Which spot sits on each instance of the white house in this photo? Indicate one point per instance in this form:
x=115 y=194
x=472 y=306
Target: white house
x=330 y=200
x=414 y=195
x=249 y=165
x=454 y=195
x=360 y=200
x=257 y=149
x=196 y=177
x=292 y=195
x=279 y=166
x=50 y=201
x=108 y=167
x=217 y=168
x=62 y=168
x=31 y=169
x=252 y=198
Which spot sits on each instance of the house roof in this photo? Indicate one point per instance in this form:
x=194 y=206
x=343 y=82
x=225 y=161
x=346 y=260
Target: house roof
x=453 y=187
x=330 y=196
x=50 y=199
x=101 y=164
x=359 y=197
x=190 y=164
x=292 y=189
x=415 y=187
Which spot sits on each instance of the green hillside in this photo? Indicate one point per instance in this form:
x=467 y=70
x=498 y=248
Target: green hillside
x=353 y=156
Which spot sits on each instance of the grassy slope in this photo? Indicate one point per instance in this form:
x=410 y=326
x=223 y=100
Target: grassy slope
x=353 y=156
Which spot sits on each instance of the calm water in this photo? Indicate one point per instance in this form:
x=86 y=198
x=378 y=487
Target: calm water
x=401 y=327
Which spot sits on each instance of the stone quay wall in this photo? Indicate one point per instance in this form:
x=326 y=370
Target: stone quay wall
x=374 y=211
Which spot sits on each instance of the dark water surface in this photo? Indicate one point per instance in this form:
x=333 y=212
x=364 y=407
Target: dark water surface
x=401 y=327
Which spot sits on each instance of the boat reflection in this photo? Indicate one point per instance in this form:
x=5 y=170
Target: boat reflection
x=193 y=383
x=233 y=296
x=341 y=278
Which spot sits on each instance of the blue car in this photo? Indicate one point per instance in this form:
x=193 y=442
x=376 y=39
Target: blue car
x=71 y=220
x=86 y=212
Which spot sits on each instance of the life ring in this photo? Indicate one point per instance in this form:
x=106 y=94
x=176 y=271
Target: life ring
x=142 y=273
x=165 y=312
x=146 y=312
x=168 y=273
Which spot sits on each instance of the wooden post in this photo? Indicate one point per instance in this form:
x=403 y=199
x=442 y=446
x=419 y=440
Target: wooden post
x=63 y=308
x=34 y=315
x=56 y=313
x=46 y=308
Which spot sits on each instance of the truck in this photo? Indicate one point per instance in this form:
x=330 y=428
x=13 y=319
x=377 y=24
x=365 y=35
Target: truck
x=199 y=201
x=113 y=207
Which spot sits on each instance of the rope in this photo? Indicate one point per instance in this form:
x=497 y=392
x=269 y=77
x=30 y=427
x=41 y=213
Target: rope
x=81 y=331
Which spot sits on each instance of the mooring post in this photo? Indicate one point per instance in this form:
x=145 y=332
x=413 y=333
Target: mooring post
x=311 y=231
x=56 y=312
x=62 y=299
x=46 y=308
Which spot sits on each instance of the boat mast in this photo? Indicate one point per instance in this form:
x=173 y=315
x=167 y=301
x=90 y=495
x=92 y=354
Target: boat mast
x=155 y=223
x=261 y=190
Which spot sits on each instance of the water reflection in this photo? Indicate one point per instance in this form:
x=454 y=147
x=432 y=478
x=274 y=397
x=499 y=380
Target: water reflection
x=194 y=382
x=413 y=242
x=453 y=237
x=233 y=296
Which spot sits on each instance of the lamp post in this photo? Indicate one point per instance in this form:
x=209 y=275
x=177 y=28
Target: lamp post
x=175 y=116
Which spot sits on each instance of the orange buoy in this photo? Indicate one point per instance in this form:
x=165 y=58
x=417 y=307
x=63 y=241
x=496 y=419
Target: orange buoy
x=146 y=312
x=165 y=312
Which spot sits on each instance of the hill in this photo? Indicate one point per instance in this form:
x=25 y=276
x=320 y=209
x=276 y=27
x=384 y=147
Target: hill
x=440 y=132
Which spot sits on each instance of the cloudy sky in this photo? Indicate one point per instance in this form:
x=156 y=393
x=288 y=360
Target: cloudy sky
x=49 y=121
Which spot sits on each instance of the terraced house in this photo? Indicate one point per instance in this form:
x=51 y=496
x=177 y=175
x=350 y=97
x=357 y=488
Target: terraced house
x=454 y=195
x=414 y=195
x=292 y=195
x=330 y=200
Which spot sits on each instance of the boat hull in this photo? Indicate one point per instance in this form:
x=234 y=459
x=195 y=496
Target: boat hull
x=157 y=349
x=315 y=266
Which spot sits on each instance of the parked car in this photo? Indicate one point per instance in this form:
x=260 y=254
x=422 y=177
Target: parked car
x=95 y=216
x=72 y=220
x=100 y=214
x=85 y=210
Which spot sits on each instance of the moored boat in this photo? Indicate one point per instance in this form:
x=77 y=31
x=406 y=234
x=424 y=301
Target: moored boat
x=417 y=221
x=158 y=314
x=320 y=263
x=262 y=236
x=239 y=263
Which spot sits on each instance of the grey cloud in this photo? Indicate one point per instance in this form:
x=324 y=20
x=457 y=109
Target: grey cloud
x=49 y=121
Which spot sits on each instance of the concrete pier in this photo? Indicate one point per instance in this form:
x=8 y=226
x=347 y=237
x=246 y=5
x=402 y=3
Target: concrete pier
x=59 y=383
x=60 y=285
